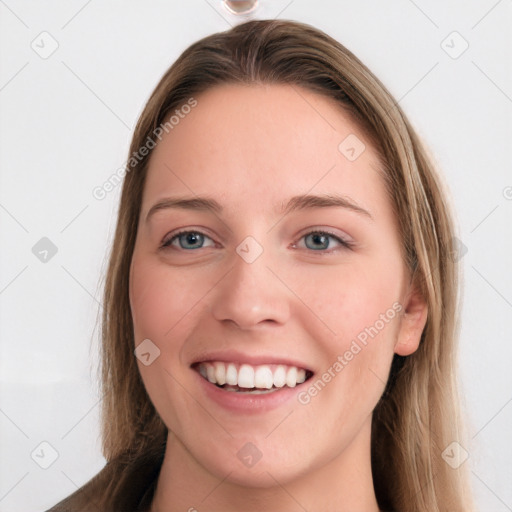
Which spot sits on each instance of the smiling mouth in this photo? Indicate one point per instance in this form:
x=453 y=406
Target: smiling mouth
x=251 y=379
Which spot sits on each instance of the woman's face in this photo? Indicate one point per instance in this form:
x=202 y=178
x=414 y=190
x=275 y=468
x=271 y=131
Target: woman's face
x=290 y=267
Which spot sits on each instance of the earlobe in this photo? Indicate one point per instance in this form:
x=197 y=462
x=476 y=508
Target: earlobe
x=412 y=324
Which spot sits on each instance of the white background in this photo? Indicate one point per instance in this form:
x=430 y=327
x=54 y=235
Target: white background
x=66 y=124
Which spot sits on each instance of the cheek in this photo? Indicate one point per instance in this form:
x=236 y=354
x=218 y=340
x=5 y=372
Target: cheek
x=349 y=299
x=163 y=305
x=354 y=321
x=162 y=302
x=357 y=357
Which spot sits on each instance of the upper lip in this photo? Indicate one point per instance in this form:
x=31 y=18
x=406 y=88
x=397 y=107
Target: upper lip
x=233 y=356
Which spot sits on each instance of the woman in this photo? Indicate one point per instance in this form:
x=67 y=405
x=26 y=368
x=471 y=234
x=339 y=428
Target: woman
x=281 y=301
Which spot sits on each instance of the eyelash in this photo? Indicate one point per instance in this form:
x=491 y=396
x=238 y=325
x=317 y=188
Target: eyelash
x=345 y=244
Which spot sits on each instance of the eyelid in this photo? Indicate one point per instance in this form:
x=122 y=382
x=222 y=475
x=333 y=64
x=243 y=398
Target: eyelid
x=345 y=242
x=170 y=237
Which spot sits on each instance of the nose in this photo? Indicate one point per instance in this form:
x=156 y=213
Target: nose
x=250 y=295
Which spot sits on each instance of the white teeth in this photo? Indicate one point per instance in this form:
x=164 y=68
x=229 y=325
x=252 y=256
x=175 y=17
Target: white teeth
x=301 y=376
x=291 y=377
x=231 y=375
x=280 y=376
x=246 y=376
x=263 y=377
x=210 y=373
x=220 y=373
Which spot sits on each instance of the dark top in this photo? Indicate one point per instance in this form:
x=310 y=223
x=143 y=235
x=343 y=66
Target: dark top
x=121 y=486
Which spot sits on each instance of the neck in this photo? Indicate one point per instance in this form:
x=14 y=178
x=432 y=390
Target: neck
x=343 y=484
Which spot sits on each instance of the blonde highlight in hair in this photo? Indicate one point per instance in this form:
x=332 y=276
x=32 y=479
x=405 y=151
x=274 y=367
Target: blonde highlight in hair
x=417 y=416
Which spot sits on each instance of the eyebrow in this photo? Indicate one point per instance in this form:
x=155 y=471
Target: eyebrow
x=296 y=203
x=185 y=203
x=307 y=201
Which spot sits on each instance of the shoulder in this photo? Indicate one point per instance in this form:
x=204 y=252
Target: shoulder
x=85 y=498
x=123 y=484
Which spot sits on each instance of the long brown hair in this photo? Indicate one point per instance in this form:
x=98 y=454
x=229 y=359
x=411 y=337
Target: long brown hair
x=417 y=417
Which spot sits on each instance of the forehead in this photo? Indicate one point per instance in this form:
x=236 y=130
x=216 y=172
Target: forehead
x=243 y=140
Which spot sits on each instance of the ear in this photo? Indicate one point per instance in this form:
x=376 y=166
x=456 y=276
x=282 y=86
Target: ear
x=412 y=323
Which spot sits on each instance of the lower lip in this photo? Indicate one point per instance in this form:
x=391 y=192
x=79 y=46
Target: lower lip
x=247 y=402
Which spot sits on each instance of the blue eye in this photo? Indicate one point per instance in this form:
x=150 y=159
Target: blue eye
x=315 y=241
x=188 y=240
x=322 y=241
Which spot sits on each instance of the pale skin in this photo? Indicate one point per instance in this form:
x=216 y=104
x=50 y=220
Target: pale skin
x=251 y=149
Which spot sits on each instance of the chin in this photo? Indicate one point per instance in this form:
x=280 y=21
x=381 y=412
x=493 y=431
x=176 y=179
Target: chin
x=255 y=462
